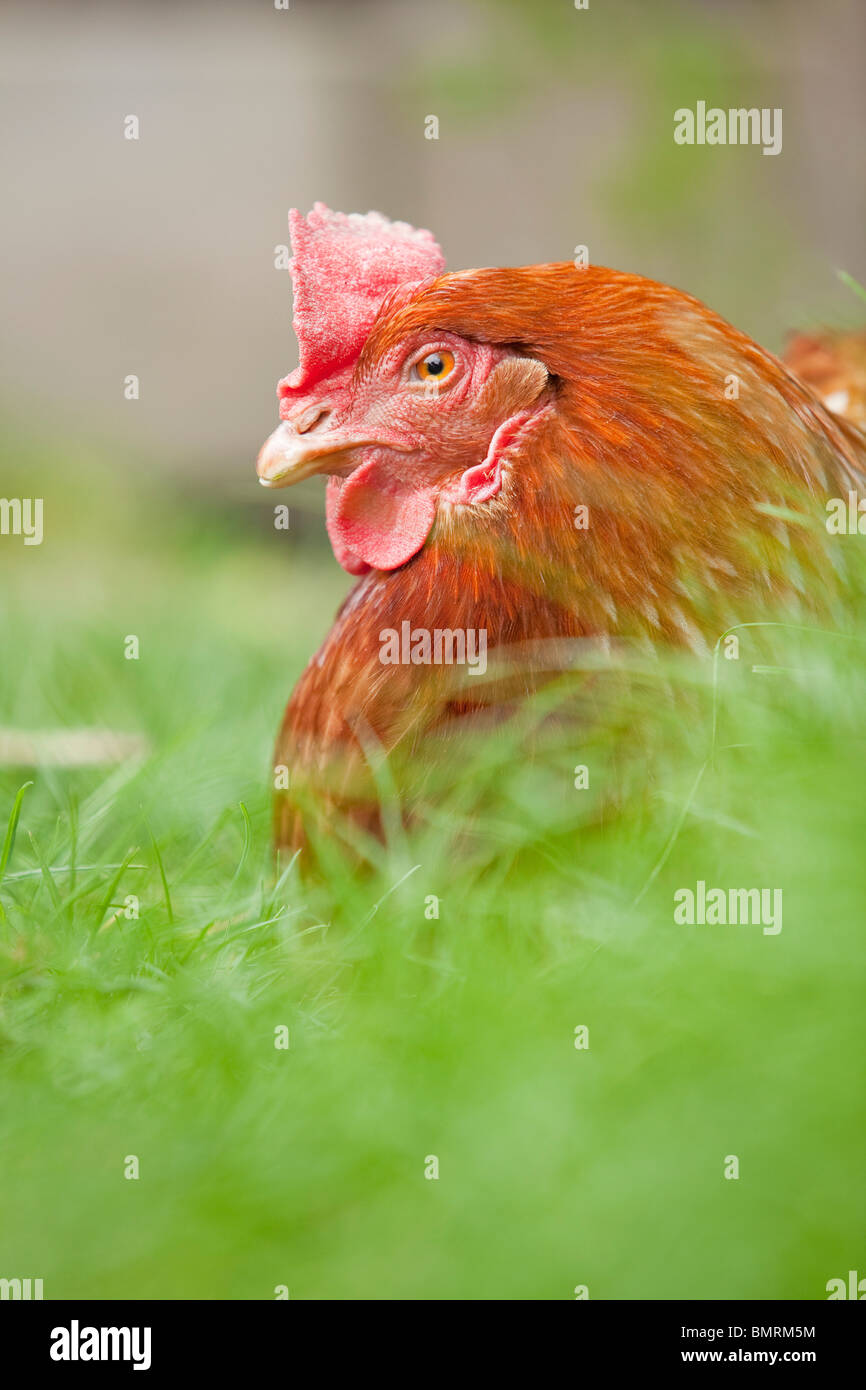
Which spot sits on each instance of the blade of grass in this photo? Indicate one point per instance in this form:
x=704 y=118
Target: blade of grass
x=850 y=283
x=248 y=835
x=47 y=875
x=11 y=829
x=109 y=894
x=161 y=868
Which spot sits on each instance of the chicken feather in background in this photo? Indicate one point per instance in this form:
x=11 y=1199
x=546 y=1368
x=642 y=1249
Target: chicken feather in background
x=543 y=455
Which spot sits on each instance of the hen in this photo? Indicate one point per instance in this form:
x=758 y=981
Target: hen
x=518 y=458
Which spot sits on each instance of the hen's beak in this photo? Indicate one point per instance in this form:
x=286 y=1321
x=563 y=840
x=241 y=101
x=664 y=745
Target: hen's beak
x=289 y=455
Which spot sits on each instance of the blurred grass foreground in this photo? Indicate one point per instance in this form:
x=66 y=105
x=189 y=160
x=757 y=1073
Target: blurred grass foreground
x=496 y=1073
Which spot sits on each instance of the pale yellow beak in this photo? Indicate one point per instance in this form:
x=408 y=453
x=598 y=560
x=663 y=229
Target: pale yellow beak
x=288 y=456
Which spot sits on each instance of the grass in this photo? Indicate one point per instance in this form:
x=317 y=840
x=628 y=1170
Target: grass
x=411 y=1036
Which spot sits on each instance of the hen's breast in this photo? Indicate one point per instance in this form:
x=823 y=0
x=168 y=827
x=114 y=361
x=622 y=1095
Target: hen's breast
x=443 y=641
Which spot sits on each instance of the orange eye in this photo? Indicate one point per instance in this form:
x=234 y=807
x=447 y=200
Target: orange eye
x=435 y=366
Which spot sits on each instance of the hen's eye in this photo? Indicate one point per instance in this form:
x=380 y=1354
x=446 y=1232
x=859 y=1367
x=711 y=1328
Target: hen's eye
x=435 y=366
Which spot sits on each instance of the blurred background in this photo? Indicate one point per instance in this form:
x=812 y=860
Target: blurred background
x=156 y=257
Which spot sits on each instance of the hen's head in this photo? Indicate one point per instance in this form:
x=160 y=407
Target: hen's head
x=401 y=414
x=488 y=402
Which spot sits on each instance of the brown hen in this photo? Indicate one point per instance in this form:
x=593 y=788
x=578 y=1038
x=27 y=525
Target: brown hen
x=519 y=458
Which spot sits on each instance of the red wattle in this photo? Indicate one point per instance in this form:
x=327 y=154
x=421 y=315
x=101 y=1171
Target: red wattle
x=376 y=521
x=350 y=562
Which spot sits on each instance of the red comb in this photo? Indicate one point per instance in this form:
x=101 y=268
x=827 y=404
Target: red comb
x=343 y=267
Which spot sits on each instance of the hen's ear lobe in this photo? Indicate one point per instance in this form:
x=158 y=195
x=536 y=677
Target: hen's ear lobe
x=511 y=389
x=514 y=384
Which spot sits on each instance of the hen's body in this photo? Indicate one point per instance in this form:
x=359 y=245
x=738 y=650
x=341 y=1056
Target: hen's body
x=633 y=504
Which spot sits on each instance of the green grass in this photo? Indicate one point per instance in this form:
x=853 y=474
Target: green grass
x=412 y=1037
